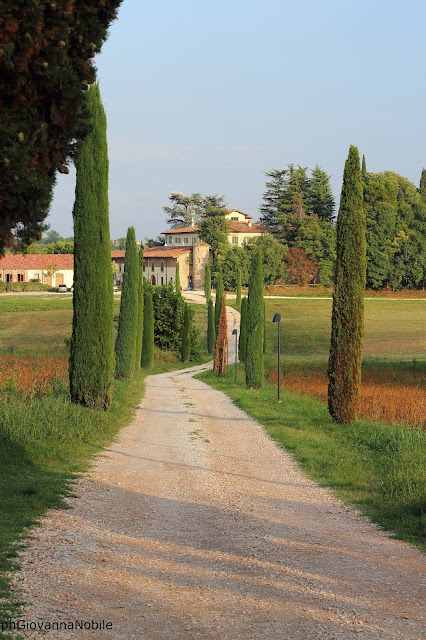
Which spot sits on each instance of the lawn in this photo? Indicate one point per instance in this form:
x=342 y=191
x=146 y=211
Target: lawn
x=45 y=439
x=376 y=463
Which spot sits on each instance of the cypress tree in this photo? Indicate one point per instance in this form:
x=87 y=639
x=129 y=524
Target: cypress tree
x=422 y=188
x=238 y=300
x=186 y=335
x=207 y=283
x=242 y=341
x=91 y=366
x=254 y=353
x=125 y=346
x=347 y=328
x=147 y=358
x=364 y=168
x=138 y=350
x=211 y=331
x=219 y=298
x=220 y=354
x=177 y=278
x=264 y=325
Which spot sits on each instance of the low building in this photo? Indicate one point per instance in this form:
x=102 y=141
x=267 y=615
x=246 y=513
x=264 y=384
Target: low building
x=159 y=265
x=49 y=268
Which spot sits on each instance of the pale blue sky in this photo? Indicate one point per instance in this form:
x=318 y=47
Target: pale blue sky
x=208 y=98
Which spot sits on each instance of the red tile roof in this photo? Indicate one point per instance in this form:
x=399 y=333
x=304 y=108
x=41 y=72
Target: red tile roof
x=165 y=252
x=118 y=253
x=243 y=227
x=190 y=229
x=37 y=261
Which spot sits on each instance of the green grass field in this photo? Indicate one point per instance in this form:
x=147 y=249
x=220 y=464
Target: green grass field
x=45 y=440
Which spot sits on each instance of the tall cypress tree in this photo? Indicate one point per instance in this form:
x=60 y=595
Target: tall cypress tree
x=242 y=341
x=364 y=168
x=186 y=335
x=207 y=283
x=422 y=188
x=147 y=359
x=254 y=353
x=221 y=351
x=219 y=298
x=211 y=331
x=347 y=328
x=91 y=367
x=138 y=350
x=264 y=325
x=238 y=300
x=125 y=346
x=177 y=278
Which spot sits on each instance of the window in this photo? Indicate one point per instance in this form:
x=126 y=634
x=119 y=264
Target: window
x=234 y=239
x=234 y=219
x=144 y=265
x=162 y=267
x=36 y=276
x=152 y=267
x=178 y=240
x=246 y=239
x=170 y=239
x=162 y=280
x=185 y=240
x=9 y=277
x=20 y=277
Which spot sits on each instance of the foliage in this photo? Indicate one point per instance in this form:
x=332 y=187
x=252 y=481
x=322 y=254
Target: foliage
x=177 y=278
x=422 y=187
x=169 y=319
x=125 y=345
x=242 y=340
x=139 y=335
x=213 y=228
x=61 y=246
x=320 y=196
x=395 y=231
x=207 y=283
x=147 y=353
x=347 y=325
x=273 y=257
x=119 y=244
x=301 y=268
x=220 y=353
x=231 y=261
x=186 y=337
x=238 y=297
x=211 y=331
x=219 y=298
x=185 y=209
x=255 y=323
x=159 y=241
x=45 y=67
x=92 y=343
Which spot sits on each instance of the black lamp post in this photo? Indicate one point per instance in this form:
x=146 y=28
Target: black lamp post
x=277 y=318
x=234 y=333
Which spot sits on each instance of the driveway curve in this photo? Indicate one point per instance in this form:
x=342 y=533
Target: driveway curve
x=194 y=524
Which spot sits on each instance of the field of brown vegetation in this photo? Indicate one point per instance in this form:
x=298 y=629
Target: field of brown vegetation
x=32 y=376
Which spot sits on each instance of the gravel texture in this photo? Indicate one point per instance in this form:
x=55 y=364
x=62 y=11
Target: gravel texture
x=195 y=525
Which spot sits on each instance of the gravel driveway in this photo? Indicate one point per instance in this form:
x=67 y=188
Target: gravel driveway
x=195 y=525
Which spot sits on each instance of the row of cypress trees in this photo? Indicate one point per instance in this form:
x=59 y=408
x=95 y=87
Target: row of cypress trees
x=347 y=332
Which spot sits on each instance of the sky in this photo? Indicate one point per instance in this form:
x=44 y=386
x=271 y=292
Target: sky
x=205 y=97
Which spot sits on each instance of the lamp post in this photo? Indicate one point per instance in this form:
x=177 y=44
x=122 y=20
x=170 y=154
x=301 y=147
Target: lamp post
x=277 y=318
x=234 y=333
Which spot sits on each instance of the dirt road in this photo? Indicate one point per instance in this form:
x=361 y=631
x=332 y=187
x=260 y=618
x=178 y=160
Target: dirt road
x=195 y=525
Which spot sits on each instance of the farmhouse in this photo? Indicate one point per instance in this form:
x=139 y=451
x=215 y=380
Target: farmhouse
x=51 y=269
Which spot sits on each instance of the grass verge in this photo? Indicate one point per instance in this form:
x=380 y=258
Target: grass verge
x=379 y=469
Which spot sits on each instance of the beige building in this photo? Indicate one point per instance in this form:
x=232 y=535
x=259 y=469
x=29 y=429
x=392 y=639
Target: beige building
x=51 y=268
x=160 y=264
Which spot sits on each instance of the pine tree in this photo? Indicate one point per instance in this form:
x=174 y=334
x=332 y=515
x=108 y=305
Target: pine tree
x=125 y=346
x=220 y=354
x=211 y=331
x=219 y=298
x=238 y=299
x=242 y=341
x=138 y=350
x=91 y=367
x=186 y=335
x=207 y=283
x=320 y=195
x=422 y=188
x=147 y=359
x=254 y=353
x=177 y=278
x=344 y=368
